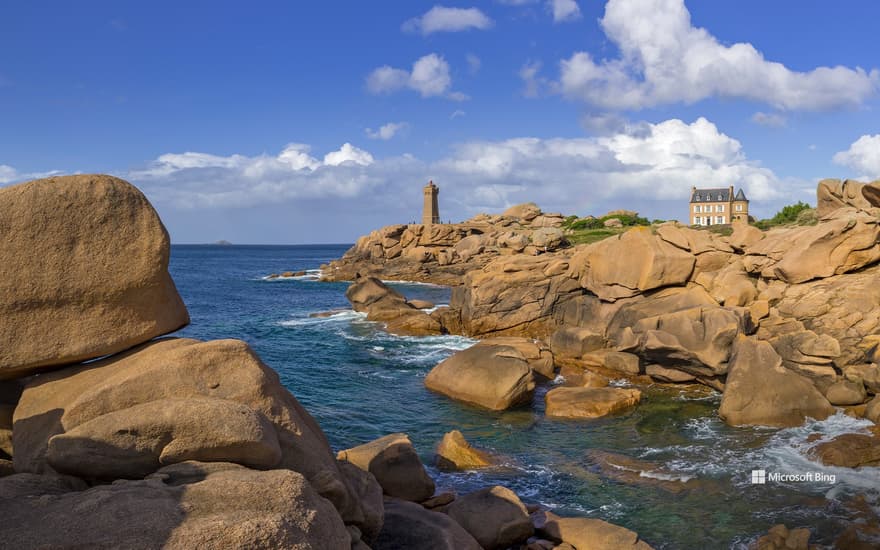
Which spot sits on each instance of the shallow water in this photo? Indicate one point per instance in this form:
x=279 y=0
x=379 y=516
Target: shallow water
x=361 y=383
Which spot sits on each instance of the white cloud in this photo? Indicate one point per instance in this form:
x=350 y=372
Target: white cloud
x=564 y=10
x=474 y=63
x=456 y=114
x=773 y=120
x=7 y=174
x=863 y=156
x=348 y=153
x=443 y=19
x=429 y=76
x=534 y=84
x=386 y=131
x=664 y=59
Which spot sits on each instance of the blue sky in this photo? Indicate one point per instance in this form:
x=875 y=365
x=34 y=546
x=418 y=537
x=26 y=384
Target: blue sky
x=301 y=122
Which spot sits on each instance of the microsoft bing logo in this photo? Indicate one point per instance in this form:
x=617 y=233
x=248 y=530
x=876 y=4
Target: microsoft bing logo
x=759 y=477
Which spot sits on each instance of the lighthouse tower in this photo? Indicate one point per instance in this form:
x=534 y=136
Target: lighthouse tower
x=431 y=211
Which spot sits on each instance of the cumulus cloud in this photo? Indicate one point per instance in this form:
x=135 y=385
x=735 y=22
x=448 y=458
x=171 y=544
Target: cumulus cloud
x=386 y=131
x=564 y=10
x=862 y=156
x=443 y=19
x=533 y=83
x=641 y=162
x=773 y=120
x=665 y=59
x=429 y=76
x=7 y=174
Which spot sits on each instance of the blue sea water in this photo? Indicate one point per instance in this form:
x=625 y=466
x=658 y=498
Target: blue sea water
x=361 y=383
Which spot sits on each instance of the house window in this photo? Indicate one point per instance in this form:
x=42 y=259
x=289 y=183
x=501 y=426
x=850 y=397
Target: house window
x=696 y=220
x=719 y=219
x=739 y=208
x=698 y=208
x=720 y=198
x=719 y=208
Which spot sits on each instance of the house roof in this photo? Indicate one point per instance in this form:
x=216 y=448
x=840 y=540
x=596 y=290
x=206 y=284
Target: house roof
x=717 y=194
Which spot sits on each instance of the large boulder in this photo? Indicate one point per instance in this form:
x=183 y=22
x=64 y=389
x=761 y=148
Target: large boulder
x=409 y=525
x=83 y=272
x=495 y=517
x=850 y=450
x=382 y=303
x=455 y=453
x=492 y=376
x=833 y=194
x=526 y=211
x=588 y=533
x=534 y=352
x=580 y=402
x=393 y=460
x=846 y=241
x=181 y=369
x=631 y=263
x=760 y=391
x=136 y=441
x=232 y=507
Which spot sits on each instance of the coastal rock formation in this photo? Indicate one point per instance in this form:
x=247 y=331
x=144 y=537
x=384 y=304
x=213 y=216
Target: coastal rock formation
x=185 y=370
x=534 y=352
x=833 y=194
x=572 y=402
x=443 y=253
x=587 y=533
x=760 y=391
x=780 y=537
x=185 y=506
x=83 y=273
x=850 y=450
x=409 y=525
x=494 y=516
x=382 y=303
x=455 y=453
x=496 y=377
x=652 y=262
x=393 y=460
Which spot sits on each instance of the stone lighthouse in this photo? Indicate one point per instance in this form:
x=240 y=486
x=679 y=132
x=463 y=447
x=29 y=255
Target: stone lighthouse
x=431 y=211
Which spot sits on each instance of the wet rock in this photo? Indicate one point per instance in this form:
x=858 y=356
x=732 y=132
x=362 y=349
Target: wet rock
x=489 y=376
x=393 y=460
x=760 y=391
x=102 y=238
x=260 y=510
x=567 y=402
x=455 y=453
x=637 y=472
x=850 y=450
x=382 y=303
x=494 y=516
x=781 y=537
x=408 y=525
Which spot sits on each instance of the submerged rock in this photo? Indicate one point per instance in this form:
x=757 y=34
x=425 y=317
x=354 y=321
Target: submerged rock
x=781 y=537
x=83 y=273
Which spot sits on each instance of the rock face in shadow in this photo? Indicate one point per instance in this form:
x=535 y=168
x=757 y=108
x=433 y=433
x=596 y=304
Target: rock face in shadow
x=760 y=391
x=393 y=460
x=494 y=516
x=83 y=273
x=76 y=398
x=409 y=525
x=495 y=377
x=226 y=508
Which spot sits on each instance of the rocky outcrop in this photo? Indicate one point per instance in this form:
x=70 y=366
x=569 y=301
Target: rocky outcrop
x=652 y=262
x=515 y=296
x=575 y=402
x=846 y=241
x=220 y=375
x=780 y=537
x=184 y=506
x=534 y=352
x=455 y=453
x=443 y=253
x=850 y=450
x=760 y=391
x=408 y=525
x=95 y=281
x=393 y=460
x=833 y=194
x=495 y=377
x=494 y=516
x=382 y=303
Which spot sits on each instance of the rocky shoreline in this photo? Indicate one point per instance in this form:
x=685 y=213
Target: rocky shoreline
x=785 y=323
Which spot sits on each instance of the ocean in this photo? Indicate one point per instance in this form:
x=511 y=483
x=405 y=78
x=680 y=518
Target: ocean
x=361 y=383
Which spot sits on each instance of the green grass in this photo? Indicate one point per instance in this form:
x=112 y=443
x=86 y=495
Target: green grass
x=588 y=236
